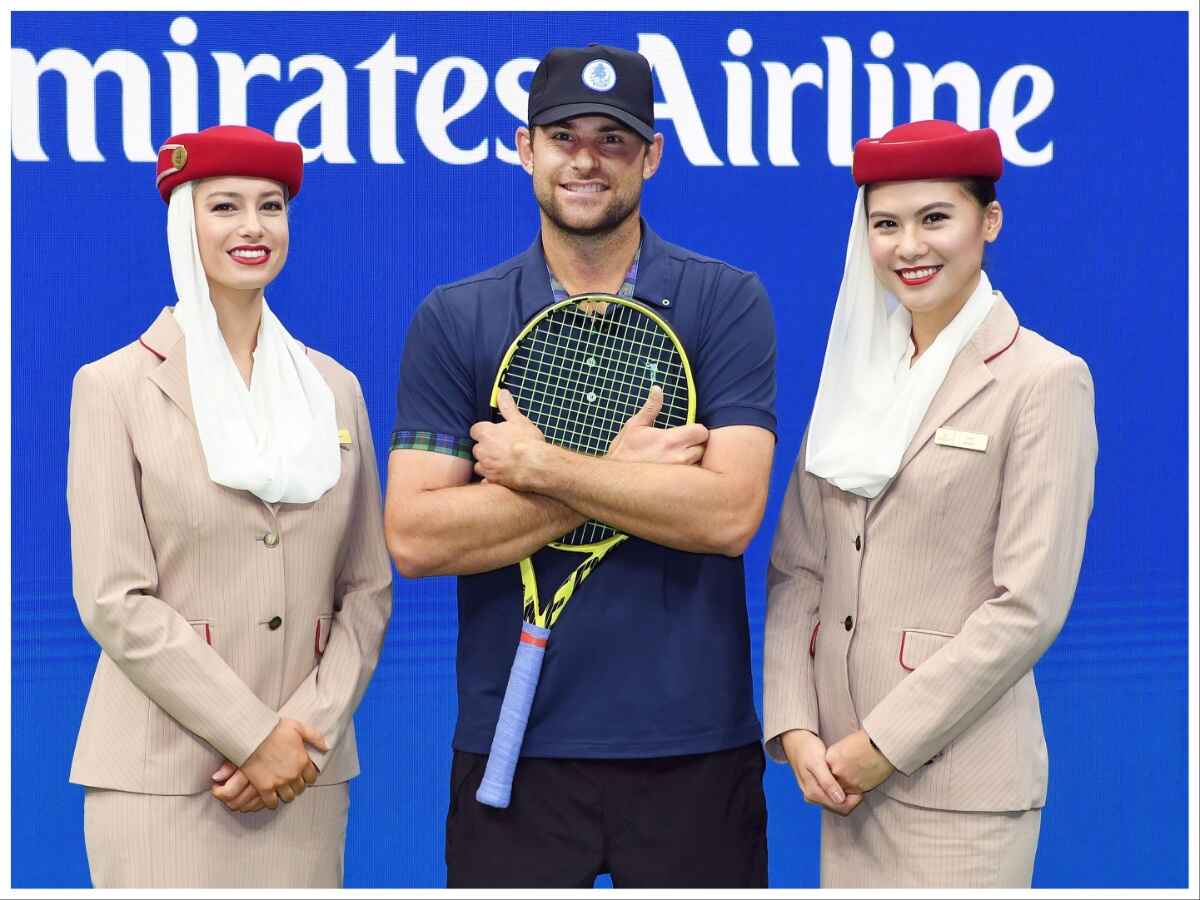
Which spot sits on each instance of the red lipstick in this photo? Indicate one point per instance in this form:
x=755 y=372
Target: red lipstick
x=918 y=274
x=250 y=254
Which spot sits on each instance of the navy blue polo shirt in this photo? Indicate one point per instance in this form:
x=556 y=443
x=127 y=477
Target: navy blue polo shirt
x=652 y=655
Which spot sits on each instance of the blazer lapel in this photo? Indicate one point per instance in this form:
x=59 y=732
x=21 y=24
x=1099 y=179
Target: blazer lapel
x=164 y=339
x=967 y=376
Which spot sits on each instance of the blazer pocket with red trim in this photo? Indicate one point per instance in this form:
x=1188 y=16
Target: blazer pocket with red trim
x=203 y=627
x=321 y=638
x=918 y=644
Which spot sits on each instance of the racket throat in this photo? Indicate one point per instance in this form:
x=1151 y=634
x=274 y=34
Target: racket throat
x=545 y=617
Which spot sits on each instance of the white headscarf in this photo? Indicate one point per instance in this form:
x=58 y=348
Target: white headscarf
x=869 y=402
x=278 y=438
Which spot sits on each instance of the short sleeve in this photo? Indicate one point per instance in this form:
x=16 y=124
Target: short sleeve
x=435 y=405
x=734 y=365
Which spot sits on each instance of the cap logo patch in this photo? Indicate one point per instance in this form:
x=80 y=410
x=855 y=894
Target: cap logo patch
x=599 y=75
x=179 y=157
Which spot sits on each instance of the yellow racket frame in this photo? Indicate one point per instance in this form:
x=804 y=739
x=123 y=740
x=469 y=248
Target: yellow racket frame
x=597 y=550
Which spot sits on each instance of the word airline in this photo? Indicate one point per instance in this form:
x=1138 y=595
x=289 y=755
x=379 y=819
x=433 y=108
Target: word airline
x=450 y=89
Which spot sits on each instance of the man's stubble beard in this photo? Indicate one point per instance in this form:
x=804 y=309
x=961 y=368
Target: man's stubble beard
x=615 y=215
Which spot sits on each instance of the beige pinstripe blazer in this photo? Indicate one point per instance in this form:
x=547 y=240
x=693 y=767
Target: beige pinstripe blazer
x=216 y=613
x=918 y=616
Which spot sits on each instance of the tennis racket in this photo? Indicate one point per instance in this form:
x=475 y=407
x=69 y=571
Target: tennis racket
x=578 y=370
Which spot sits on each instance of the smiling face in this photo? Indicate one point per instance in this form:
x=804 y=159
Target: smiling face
x=588 y=171
x=242 y=230
x=926 y=240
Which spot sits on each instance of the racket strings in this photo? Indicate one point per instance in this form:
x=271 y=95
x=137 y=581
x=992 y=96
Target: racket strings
x=624 y=353
x=568 y=406
x=565 y=394
x=576 y=419
x=564 y=380
x=579 y=376
x=599 y=375
x=580 y=358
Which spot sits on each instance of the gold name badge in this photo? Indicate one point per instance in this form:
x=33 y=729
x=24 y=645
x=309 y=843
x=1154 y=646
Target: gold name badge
x=967 y=440
x=344 y=437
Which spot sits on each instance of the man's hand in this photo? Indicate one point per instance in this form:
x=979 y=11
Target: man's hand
x=806 y=755
x=639 y=441
x=279 y=769
x=857 y=765
x=502 y=449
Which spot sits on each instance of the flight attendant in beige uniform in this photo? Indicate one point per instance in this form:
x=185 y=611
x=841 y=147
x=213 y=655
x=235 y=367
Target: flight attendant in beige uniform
x=930 y=539
x=228 y=556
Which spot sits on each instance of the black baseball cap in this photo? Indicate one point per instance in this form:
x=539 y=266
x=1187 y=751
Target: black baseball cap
x=593 y=80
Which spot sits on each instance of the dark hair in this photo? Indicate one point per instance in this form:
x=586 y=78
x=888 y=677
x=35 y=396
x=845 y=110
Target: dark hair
x=980 y=188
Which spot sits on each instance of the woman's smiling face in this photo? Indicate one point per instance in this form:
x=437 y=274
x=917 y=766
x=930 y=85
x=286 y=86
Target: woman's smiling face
x=926 y=240
x=242 y=230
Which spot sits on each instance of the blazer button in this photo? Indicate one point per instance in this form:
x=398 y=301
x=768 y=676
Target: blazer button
x=849 y=623
x=275 y=623
x=858 y=542
x=271 y=539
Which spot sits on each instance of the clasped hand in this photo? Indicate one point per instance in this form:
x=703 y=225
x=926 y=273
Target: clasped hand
x=506 y=452
x=280 y=769
x=502 y=449
x=835 y=777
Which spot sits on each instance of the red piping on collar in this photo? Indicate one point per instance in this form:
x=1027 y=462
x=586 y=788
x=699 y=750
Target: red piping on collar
x=1006 y=346
x=151 y=349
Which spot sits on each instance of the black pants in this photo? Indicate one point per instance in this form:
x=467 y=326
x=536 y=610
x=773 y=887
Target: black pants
x=672 y=822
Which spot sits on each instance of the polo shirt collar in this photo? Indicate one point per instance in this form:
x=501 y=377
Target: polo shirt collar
x=654 y=270
x=653 y=275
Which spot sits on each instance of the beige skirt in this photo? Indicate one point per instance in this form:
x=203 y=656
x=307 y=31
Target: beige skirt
x=888 y=844
x=195 y=841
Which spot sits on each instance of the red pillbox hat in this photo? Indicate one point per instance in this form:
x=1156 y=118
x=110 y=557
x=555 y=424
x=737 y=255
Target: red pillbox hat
x=228 y=150
x=929 y=149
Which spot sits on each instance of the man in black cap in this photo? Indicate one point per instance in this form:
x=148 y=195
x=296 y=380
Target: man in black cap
x=642 y=754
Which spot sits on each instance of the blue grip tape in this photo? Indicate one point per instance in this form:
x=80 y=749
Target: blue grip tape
x=496 y=787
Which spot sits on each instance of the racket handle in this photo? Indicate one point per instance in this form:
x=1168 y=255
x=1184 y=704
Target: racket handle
x=496 y=787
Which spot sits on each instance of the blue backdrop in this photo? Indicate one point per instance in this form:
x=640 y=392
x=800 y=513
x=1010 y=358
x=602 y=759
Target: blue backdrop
x=1093 y=256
